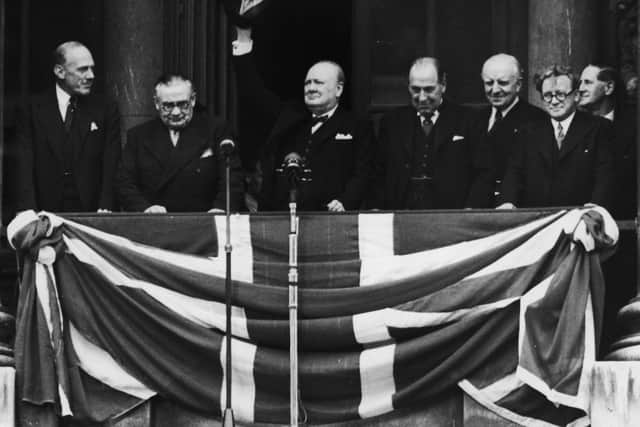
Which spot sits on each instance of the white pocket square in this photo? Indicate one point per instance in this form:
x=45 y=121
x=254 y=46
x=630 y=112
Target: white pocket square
x=457 y=138
x=207 y=153
x=93 y=126
x=343 y=137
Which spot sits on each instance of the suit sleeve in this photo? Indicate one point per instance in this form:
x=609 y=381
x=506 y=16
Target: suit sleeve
x=127 y=188
x=26 y=198
x=604 y=172
x=357 y=186
x=253 y=91
x=483 y=177
x=111 y=155
x=236 y=181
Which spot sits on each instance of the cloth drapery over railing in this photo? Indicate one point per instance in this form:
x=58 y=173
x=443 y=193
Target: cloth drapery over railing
x=394 y=309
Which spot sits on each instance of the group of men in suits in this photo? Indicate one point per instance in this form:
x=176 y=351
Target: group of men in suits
x=429 y=154
x=70 y=157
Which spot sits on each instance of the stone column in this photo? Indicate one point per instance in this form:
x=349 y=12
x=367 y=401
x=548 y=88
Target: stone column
x=133 y=56
x=560 y=32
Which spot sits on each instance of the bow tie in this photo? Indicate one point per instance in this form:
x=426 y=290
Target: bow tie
x=318 y=119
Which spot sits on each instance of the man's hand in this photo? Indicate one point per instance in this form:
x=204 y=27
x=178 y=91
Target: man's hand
x=103 y=211
x=335 y=206
x=243 y=35
x=156 y=209
x=215 y=210
x=506 y=206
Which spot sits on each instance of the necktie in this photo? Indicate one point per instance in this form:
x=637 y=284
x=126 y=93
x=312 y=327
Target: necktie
x=497 y=119
x=68 y=117
x=427 y=124
x=559 y=135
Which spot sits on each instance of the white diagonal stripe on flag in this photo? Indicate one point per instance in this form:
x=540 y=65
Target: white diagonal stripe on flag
x=98 y=364
x=403 y=267
x=210 y=314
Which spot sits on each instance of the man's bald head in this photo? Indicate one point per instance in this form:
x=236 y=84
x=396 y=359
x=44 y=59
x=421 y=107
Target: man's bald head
x=73 y=67
x=502 y=78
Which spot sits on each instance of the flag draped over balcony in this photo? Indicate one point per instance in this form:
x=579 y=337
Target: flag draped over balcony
x=394 y=309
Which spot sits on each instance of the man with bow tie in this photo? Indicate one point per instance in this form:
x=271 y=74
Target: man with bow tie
x=563 y=159
x=175 y=163
x=430 y=154
x=330 y=142
x=68 y=141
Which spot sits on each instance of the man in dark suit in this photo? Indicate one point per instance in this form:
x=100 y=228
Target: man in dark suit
x=329 y=140
x=430 y=153
x=507 y=113
x=68 y=141
x=175 y=163
x=599 y=92
x=564 y=159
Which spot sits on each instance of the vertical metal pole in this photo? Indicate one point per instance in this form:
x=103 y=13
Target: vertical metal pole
x=227 y=418
x=293 y=314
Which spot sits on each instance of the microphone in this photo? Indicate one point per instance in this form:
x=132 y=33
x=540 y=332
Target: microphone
x=292 y=167
x=227 y=146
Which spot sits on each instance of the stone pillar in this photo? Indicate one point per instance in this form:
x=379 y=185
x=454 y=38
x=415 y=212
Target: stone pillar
x=133 y=56
x=560 y=32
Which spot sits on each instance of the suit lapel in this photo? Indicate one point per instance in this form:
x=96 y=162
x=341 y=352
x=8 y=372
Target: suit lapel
x=329 y=129
x=52 y=120
x=547 y=143
x=573 y=137
x=80 y=126
x=190 y=146
x=442 y=128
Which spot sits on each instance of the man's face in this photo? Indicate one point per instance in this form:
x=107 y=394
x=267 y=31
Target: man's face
x=174 y=103
x=76 y=76
x=425 y=89
x=501 y=83
x=592 y=90
x=321 y=88
x=559 y=87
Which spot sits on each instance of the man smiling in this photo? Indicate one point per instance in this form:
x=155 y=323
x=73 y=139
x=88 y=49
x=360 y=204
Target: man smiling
x=564 y=159
x=68 y=140
x=507 y=113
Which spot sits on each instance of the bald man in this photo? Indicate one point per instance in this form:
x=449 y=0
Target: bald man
x=507 y=113
x=430 y=153
x=331 y=142
x=68 y=140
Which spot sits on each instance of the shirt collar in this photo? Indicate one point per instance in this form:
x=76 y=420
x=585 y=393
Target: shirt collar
x=434 y=116
x=610 y=115
x=63 y=99
x=506 y=110
x=565 y=123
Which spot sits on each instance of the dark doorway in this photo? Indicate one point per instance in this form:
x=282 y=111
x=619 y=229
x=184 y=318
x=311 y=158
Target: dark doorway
x=291 y=36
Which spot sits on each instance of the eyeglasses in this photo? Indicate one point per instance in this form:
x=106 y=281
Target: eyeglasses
x=168 y=107
x=560 y=96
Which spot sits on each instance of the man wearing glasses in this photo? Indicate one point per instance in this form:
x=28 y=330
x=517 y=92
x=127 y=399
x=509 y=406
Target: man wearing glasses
x=430 y=154
x=564 y=159
x=174 y=163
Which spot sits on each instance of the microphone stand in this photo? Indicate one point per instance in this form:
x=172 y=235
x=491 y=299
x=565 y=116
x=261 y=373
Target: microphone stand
x=227 y=418
x=293 y=301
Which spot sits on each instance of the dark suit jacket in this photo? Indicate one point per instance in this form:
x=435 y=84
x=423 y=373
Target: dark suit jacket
x=95 y=138
x=461 y=169
x=341 y=149
x=582 y=171
x=187 y=178
x=625 y=166
x=501 y=138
